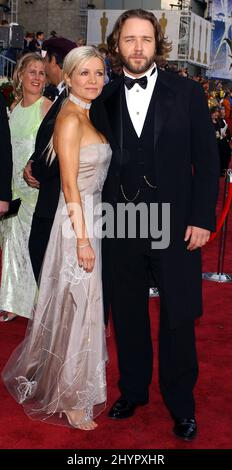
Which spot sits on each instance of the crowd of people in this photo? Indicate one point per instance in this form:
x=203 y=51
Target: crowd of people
x=74 y=144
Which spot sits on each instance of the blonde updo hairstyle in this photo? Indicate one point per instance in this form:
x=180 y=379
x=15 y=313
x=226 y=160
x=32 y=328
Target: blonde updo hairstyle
x=21 y=66
x=77 y=57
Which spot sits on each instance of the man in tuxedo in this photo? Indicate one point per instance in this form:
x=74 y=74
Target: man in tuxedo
x=5 y=159
x=38 y=173
x=164 y=151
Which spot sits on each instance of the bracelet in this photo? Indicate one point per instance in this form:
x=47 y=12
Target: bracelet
x=83 y=246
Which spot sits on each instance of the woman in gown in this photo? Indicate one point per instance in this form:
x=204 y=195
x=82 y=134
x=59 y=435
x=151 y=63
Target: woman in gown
x=18 y=286
x=59 y=369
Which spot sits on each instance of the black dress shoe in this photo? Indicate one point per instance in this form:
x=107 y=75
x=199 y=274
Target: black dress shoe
x=185 y=428
x=123 y=408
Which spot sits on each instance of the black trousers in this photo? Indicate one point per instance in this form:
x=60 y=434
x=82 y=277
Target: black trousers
x=38 y=240
x=178 y=367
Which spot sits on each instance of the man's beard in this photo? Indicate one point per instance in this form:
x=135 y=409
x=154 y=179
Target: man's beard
x=137 y=69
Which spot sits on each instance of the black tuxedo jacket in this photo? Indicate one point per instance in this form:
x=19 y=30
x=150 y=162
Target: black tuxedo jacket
x=5 y=154
x=185 y=151
x=186 y=166
x=48 y=176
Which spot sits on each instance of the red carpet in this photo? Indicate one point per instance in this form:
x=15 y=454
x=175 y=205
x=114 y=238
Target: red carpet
x=151 y=427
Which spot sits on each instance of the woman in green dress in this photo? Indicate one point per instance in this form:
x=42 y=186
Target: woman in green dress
x=18 y=286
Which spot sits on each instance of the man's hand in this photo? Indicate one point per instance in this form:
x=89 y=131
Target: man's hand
x=4 y=207
x=197 y=237
x=27 y=175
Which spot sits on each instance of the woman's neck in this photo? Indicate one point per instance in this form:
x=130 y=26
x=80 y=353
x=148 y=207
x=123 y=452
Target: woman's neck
x=82 y=105
x=28 y=100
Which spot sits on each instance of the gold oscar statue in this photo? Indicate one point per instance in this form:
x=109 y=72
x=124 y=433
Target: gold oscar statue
x=163 y=23
x=206 y=41
x=193 y=37
x=103 y=23
x=199 y=50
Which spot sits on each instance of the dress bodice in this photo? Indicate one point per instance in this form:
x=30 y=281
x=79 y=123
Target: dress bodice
x=24 y=124
x=93 y=168
x=24 y=121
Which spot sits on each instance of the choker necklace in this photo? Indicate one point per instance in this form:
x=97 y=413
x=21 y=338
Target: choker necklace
x=76 y=100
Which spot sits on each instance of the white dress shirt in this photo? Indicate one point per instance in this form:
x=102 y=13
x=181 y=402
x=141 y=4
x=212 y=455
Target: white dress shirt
x=138 y=99
x=60 y=88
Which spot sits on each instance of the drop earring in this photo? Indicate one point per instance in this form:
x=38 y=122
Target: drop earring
x=19 y=87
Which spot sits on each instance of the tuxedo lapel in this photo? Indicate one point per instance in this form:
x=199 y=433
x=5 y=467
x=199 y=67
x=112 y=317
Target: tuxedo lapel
x=164 y=101
x=113 y=106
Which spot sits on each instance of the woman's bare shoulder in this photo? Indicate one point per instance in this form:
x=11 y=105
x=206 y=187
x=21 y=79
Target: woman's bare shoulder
x=46 y=105
x=69 y=116
x=68 y=125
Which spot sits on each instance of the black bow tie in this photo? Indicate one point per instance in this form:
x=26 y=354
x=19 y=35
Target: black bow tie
x=130 y=82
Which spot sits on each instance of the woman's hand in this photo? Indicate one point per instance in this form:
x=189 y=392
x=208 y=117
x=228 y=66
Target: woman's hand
x=86 y=257
x=27 y=175
x=4 y=207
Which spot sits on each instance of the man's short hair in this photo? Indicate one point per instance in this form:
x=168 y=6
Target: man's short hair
x=58 y=48
x=214 y=109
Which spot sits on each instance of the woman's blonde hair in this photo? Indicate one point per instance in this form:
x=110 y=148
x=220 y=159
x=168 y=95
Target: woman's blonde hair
x=78 y=56
x=20 y=68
